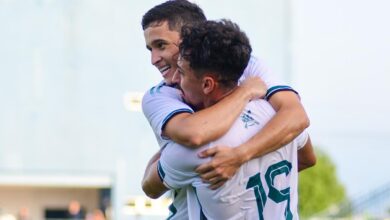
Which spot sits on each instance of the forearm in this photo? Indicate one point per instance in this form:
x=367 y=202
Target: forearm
x=151 y=183
x=287 y=124
x=302 y=166
x=196 y=129
x=306 y=156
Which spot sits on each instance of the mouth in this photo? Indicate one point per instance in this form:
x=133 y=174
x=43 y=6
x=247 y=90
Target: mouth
x=164 y=70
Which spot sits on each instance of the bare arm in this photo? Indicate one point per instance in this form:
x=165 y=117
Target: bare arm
x=306 y=156
x=151 y=183
x=194 y=130
x=290 y=120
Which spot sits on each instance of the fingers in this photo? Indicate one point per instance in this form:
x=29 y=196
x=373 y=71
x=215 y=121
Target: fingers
x=212 y=166
x=217 y=171
x=215 y=175
x=204 y=168
x=217 y=184
x=207 y=177
x=208 y=152
x=256 y=86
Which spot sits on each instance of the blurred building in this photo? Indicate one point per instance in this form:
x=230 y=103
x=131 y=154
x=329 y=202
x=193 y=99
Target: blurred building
x=65 y=133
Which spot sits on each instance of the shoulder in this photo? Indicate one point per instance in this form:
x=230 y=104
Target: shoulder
x=255 y=115
x=161 y=95
x=177 y=164
x=161 y=90
x=173 y=151
x=255 y=67
x=255 y=62
x=260 y=106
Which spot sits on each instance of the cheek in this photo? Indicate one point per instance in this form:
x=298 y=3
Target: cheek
x=186 y=87
x=183 y=85
x=171 y=55
x=192 y=92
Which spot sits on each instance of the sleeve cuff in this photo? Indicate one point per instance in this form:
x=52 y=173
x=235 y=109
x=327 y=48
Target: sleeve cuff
x=161 y=174
x=273 y=90
x=166 y=119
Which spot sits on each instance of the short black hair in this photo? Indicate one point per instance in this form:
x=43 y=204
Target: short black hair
x=177 y=12
x=216 y=46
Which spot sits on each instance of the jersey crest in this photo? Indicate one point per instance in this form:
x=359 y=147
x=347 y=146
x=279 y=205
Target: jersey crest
x=156 y=89
x=248 y=119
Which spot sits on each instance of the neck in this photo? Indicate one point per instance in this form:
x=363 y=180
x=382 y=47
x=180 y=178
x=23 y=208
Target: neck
x=217 y=96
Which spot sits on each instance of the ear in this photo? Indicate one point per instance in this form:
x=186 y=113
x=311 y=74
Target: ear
x=208 y=85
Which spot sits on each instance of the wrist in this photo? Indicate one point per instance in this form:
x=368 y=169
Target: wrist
x=242 y=154
x=244 y=93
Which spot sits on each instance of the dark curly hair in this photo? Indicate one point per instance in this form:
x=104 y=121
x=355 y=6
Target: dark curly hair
x=176 y=12
x=216 y=46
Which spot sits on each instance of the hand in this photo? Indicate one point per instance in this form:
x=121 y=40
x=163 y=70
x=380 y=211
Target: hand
x=221 y=168
x=255 y=86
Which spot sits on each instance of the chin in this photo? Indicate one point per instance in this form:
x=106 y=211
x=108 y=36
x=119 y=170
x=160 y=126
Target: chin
x=168 y=80
x=188 y=103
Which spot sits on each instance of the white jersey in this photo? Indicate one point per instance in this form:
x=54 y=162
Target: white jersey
x=162 y=102
x=263 y=188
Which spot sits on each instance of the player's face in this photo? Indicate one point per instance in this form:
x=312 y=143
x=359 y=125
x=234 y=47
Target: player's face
x=163 y=45
x=190 y=85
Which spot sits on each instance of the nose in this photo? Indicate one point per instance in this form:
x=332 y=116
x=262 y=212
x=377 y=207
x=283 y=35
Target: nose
x=155 y=57
x=176 y=77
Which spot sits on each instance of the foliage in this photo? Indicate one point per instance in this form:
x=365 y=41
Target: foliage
x=319 y=187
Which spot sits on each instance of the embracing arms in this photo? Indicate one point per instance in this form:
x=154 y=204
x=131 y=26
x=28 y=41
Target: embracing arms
x=289 y=121
x=306 y=156
x=151 y=182
x=196 y=129
x=199 y=128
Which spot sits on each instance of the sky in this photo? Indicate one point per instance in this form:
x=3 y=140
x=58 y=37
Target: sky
x=341 y=64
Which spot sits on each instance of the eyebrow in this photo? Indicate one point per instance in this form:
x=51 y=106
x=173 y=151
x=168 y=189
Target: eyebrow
x=154 y=42
x=159 y=41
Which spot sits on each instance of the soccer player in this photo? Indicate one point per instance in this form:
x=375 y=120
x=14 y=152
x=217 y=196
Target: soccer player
x=171 y=119
x=212 y=58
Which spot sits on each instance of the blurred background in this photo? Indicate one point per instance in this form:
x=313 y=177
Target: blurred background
x=74 y=143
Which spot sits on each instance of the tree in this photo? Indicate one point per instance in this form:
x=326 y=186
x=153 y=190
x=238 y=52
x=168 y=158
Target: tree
x=319 y=187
